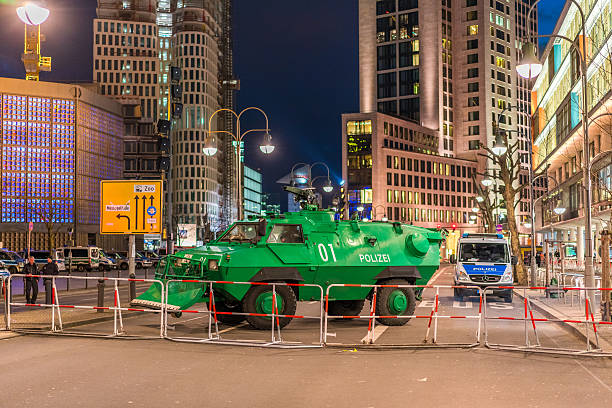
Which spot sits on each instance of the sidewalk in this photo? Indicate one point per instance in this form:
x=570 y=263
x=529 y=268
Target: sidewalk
x=562 y=309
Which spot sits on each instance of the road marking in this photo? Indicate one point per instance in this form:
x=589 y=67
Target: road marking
x=592 y=374
x=233 y=327
x=376 y=333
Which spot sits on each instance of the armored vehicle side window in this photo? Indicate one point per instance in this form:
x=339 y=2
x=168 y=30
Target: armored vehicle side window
x=286 y=234
x=240 y=232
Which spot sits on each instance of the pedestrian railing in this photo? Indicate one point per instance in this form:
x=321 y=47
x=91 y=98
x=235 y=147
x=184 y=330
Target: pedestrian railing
x=437 y=309
x=58 y=324
x=215 y=314
x=492 y=322
x=531 y=341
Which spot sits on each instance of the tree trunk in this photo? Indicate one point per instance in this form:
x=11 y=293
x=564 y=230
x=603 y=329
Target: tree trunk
x=519 y=270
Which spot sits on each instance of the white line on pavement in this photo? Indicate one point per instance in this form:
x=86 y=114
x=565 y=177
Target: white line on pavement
x=233 y=327
x=376 y=333
x=599 y=380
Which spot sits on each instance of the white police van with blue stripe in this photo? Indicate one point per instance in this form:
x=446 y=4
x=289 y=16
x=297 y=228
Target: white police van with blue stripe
x=483 y=260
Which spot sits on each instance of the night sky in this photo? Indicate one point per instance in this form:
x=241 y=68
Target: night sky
x=298 y=61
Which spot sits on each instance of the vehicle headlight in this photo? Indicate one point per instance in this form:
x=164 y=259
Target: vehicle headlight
x=463 y=277
x=507 y=276
x=213 y=264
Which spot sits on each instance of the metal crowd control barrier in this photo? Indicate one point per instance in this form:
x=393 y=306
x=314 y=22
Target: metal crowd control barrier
x=5 y=302
x=57 y=323
x=432 y=318
x=213 y=334
x=530 y=322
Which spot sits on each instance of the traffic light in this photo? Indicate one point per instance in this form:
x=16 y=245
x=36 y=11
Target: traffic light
x=176 y=90
x=163 y=143
x=163 y=126
x=163 y=163
x=175 y=74
x=454 y=227
x=177 y=110
x=342 y=203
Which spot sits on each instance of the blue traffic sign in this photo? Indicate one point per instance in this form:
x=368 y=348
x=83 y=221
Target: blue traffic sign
x=151 y=211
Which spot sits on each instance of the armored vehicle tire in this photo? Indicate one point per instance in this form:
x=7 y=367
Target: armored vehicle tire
x=224 y=306
x=81 y=268
x=345 y=307
x=394 y=302
x=259 y=300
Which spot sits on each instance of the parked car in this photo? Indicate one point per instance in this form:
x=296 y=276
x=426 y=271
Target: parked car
x=12 y=260
x=4 y=272
x=153 y=257
x=141 y=260
x=107 y=262
x=40 y=258
x=120 y=261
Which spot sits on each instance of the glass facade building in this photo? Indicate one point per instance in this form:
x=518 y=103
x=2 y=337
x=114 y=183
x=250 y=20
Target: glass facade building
x=252 y=192
x=57 y=142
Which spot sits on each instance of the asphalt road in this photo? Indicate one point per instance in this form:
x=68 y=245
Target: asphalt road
x=45 y=371
x=55 y=372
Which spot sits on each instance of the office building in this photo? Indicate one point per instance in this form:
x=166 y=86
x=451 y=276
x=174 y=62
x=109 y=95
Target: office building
x=135 y=43
x=126 y=65
x=445 y=70
x=557 y=107
x=252 y=192
x=58 y=141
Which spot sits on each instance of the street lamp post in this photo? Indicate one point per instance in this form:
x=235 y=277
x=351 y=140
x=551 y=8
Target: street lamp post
x=328 y=187
x=33 y=14
x=530 y=67
x=210 y=148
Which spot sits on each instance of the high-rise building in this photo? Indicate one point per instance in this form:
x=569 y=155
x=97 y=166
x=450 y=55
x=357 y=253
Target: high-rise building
x=126 y=68
x=446 y=69
x=135 y=43
x=252 y=192
x=58 y=141
x=557 y=108
x=195 y=49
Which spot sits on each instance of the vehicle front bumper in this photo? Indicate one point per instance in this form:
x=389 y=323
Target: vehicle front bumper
x=493 y=289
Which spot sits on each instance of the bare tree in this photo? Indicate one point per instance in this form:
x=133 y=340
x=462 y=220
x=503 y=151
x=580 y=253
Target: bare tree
x=47 y=212
x=486 y=206
x=509 y=167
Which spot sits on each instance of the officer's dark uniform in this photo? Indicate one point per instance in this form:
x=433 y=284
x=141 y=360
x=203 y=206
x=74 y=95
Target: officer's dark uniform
x=50 y=269
x=31 y=283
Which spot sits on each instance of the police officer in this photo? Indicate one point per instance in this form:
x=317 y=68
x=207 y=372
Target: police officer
x=31 y=282
x=49 y=269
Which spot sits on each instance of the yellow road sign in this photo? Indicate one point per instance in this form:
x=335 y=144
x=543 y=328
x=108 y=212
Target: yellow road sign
x=131 y=206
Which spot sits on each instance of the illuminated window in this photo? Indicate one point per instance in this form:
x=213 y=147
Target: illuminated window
x=472 y=29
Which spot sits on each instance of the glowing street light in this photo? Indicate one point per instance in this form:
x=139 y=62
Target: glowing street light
x=479 y=199
x=475 y=209
x=559 y=210
x=529 y=66
x=499 y=147
x=487 y=182
x=32 y=14
x=267 y=147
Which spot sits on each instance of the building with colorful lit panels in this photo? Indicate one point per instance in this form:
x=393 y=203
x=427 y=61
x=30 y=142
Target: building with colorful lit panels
x=57 y=142
x=557 y=108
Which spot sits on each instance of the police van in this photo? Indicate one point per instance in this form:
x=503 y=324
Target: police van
x=483 y=260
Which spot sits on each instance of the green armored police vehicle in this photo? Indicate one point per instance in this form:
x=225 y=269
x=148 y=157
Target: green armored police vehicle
x=309 y=247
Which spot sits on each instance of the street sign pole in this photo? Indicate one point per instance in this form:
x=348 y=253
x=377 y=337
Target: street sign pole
x=30 y=228
x=132 y=264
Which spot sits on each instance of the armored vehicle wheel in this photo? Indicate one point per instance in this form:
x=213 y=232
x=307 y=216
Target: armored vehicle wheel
x=345 y=307
x=395 y=302
x=259 y=300
x=224 y=306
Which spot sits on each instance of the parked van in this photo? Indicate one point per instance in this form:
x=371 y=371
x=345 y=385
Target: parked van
x=483 y=260
x=82 y=258
x=40 y=257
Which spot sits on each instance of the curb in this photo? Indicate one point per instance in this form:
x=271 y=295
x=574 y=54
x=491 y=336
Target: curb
x=573 y=328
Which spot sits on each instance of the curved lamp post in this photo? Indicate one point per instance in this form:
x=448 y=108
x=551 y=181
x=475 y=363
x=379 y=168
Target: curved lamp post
x=529 y=67
x=327 y=187
x=210 y=145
